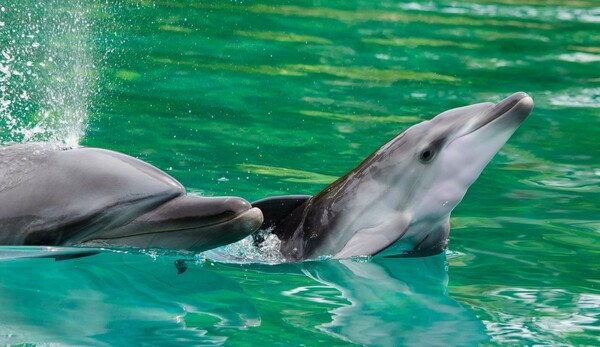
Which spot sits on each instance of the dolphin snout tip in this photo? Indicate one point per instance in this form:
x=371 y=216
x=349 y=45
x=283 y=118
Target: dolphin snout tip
x=521 y=98
x=253 y=218
x=527 y=100
x=518 y=106
x=524 y=104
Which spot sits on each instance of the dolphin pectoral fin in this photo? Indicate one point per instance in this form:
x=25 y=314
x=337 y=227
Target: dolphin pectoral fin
x=430 y=241
x=181 y=266
x=276 y=209
x=68 y=256
x=56 y=253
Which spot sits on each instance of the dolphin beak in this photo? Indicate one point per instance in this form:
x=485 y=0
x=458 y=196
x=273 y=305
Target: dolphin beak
x=516 y=107
x=188 y=222
x=188 y=211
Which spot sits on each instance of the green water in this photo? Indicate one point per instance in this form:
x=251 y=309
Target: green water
x=259 y=98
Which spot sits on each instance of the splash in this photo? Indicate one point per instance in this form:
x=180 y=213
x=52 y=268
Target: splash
x=48 y=70
x=245 y=251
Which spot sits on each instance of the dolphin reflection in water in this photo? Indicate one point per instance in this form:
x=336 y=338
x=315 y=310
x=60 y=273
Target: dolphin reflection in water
x=396 y=302
x=375 y=301
x=124 y=296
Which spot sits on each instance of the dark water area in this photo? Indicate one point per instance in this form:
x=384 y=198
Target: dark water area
x=261 y=98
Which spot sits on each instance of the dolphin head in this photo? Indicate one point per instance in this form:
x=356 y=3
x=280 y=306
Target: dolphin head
x=187 y=222
x=82 y=196
x=403 y=193
x=146 y=208
x=449 y=152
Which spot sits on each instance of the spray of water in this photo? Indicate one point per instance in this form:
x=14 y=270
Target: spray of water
x=48 y=70
x=245 y=251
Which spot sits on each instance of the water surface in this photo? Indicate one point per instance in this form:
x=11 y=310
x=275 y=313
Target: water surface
x=259 y=98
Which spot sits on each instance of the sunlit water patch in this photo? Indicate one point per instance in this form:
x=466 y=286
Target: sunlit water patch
x=586 y=13
x=588 y=97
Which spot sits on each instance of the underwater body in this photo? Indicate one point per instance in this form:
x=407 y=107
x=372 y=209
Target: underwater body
x=263 y=99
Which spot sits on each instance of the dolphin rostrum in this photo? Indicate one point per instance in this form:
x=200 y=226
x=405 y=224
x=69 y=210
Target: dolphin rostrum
x=50 y=196
x=401 y=195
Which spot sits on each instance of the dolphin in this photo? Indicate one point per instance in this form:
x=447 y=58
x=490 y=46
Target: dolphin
x=401 y=195
x=51 y=196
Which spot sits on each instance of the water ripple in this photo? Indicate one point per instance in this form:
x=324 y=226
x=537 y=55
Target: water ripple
x=587 y=97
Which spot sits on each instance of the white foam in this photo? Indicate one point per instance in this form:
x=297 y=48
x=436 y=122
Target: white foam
x=245 y=251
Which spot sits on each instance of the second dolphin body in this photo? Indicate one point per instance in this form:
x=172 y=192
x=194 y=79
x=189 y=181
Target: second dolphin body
x=402 y=194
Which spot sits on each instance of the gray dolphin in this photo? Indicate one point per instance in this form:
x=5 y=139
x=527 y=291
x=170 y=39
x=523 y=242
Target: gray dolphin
x=401 y=195
x=50 y=196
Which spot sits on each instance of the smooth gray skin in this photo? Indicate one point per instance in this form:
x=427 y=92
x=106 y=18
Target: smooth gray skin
x=399 y=199
x=50 y=196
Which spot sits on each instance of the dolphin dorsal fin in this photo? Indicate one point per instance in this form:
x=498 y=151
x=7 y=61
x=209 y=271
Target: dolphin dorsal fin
x=275 y=209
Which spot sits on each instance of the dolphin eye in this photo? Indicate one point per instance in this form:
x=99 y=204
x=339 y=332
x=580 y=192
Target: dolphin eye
x=426 y=155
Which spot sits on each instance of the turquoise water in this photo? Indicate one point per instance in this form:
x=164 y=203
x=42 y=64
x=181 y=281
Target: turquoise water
x=259 y=98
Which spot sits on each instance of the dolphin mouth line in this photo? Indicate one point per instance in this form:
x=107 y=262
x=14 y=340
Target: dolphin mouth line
x=500 y=109
x=234 y=218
